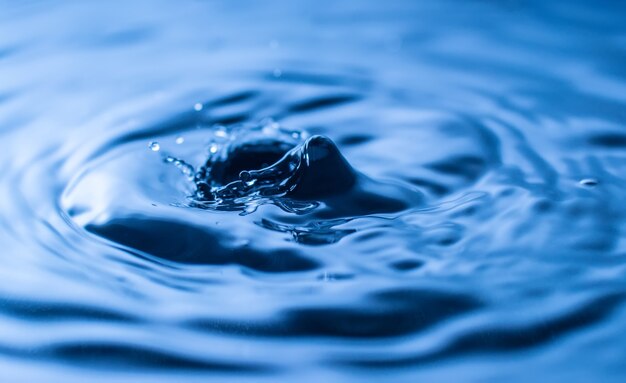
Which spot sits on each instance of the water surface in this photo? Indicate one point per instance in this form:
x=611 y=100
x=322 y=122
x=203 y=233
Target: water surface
x=267 y=191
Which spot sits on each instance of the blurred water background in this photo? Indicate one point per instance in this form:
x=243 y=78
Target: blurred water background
x=495 y=132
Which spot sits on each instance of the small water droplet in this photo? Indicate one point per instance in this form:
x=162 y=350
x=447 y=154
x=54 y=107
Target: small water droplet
x=588 y=182
x=154 y=146
x=277 y=72
x=221 y=133
x=245 y=176
x=184 y=167
x=180 y=140
x=198 y=107
x=213 y=148
x=270 y=127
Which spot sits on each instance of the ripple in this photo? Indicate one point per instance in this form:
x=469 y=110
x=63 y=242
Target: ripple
x=181 y=242
x=507 y=338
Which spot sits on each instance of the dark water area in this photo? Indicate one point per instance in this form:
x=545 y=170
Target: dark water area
x=313 y=191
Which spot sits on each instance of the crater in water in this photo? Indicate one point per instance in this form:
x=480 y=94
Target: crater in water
x=247 y=166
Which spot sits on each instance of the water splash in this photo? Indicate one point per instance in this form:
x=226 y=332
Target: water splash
x=184 y=167
x=291 y=169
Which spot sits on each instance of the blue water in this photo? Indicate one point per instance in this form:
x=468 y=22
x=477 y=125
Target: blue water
x=313 y=191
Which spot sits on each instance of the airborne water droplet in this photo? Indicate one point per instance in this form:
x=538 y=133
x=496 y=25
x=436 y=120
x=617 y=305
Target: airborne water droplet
x=180 y=140
x=184 y=167
x=154 y=146
x=213 y=148
x=198 y=107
